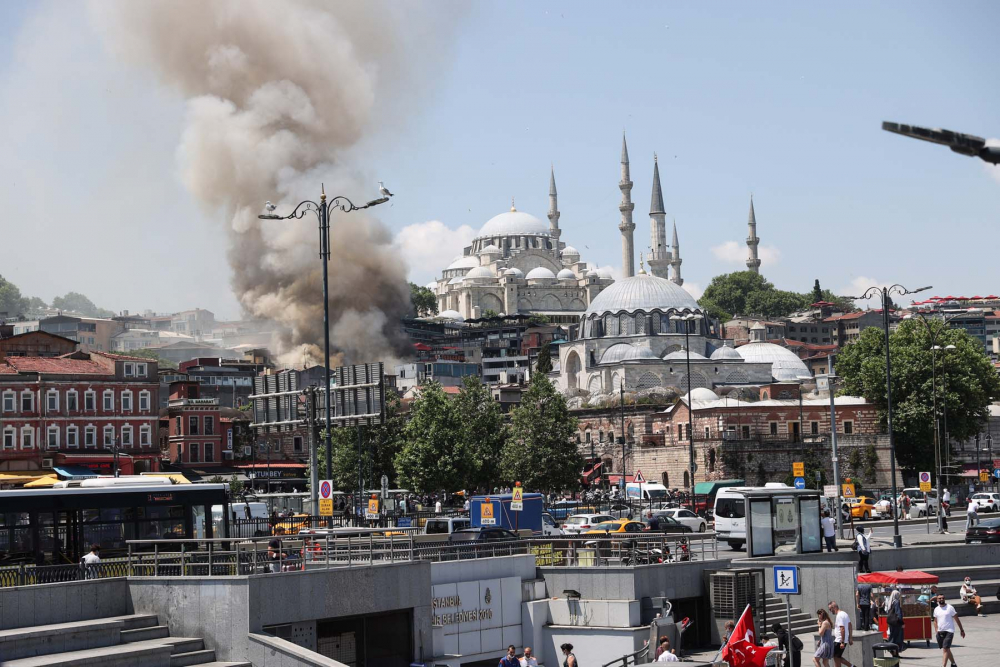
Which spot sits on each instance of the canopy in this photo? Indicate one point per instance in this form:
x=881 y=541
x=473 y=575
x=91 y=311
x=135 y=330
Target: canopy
x=75 y=472
x=912 y=577
x=46 y=482
x=710 y=488
x=17 y=478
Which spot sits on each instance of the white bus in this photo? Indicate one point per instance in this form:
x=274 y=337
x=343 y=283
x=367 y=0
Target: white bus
x=781 y=517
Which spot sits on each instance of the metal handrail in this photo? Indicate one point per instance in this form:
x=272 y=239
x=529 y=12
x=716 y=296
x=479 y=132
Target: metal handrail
x=634 y=657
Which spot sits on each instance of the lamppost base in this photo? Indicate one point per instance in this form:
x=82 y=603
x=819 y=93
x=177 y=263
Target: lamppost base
x=897 y=541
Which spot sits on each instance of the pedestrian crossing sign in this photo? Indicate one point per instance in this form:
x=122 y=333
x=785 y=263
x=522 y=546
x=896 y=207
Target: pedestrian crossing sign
x=517 y=499
x=486 y=517
x=638 y=478
x=847 y=490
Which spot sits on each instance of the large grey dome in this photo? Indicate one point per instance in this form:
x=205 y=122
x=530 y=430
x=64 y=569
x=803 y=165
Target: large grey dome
x=785 y=366
x=513 y=223
x=642 y=292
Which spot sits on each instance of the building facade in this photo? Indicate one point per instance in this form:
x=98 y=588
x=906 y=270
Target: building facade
x=94 y=334
x=33 y=344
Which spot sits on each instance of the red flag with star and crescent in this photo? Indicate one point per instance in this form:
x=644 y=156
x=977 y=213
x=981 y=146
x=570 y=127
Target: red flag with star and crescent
x=741 y=650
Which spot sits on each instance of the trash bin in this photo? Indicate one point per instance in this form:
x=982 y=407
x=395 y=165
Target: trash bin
x=885 y=654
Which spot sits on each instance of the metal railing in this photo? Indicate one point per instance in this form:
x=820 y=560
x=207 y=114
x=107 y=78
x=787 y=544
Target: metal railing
x=25 y=574
x=638 y=657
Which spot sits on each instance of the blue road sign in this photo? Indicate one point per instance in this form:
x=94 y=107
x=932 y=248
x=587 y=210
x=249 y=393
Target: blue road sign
x=996 y=473
x=800 y=483
x=786 y=579
x=404 y=522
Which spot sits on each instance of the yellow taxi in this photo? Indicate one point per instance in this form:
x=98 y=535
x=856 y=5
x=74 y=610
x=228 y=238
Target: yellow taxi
x=291 y=525
x=862 y=507
x=617 y=526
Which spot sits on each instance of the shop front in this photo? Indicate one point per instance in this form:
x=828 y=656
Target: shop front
x=275 y=476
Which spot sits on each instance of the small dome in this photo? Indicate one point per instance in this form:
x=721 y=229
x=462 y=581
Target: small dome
x=702 y=394
x=451 y=315
x=605 y=274
x=566 y=274
x=726 y=352
x=639 y=352
x=785 y=365
x=463 y=263
x=570 y=250
x=432 y=285
x=682 y=355
x=616 y=353
x=479 y=273
x=457 y=280
x=491 y=250
x=540 y=273
x=513 y=223
x=514 y=272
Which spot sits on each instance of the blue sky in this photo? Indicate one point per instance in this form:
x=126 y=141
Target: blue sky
x=782 y=100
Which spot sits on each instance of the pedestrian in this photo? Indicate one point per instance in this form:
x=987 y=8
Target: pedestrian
x=437 y=507
x=92 y=561
x=894 y=619
x=971 y=596
x=945 y=618
x=972 y=514
x=946 y=501
x=863 y=545
x=510 y=659
x=663 y=647
x=730 y=626
x=796 y=647
x=843 y=634
x=567 y=650
x=824 y=628
x=466 y=505
x=829 y=531
x=863 y=596
x=528 y=660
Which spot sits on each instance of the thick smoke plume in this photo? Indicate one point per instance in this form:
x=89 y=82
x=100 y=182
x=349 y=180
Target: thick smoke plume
x=276 y=91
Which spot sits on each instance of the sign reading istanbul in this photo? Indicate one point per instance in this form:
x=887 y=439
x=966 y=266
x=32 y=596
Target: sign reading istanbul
x=462 y=616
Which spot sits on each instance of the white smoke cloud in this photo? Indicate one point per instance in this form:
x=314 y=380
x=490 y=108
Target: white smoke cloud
x=616 y=271
x=428 y=247
x=858 y=286
x=734 y=252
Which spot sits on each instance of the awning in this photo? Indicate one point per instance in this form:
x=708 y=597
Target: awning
x=710 y=488
x=45 y=482
x=17 y=478
x=912 y=577
x=593 y=471
x=74 y=472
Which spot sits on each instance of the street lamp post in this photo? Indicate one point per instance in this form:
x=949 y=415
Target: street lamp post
x=322 y=211
x=687 y=319
x=884 y=293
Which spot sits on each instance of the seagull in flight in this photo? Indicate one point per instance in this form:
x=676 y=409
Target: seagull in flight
x=383 y=190
x=269 y=206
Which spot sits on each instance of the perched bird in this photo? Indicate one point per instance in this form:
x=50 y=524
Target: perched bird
x=269 y=206
x=383 y=190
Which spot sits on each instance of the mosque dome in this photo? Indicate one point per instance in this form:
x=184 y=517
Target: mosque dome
x=570 y=250
x=479 y=273
x=491 y=250
x=513 y=223
x=702 y=394
x=514 y=272
x=451 y=315
x=682 y=355
x=457 y=280
x=540 y=273
x=467 y=262
x=566 y=274
x=605 y=273
x=642 y=293
x=625 y=352
x=785 y=366
x=726 y=352
x=432 y=285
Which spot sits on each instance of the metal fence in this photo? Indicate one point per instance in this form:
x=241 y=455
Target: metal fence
x=24 y=574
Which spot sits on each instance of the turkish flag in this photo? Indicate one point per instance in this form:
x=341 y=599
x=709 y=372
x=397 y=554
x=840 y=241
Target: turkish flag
x=741 y=650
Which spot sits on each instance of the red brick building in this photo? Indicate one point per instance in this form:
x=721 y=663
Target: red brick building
x=194 y=431
x=78 y=410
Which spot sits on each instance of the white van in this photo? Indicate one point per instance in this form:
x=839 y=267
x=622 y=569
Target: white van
x=446 y=525
x=646 y=491
x=730 y=512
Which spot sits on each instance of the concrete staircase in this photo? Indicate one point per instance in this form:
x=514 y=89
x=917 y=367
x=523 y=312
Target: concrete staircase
x=985 y=578
x=802 y=623
x=137 y=640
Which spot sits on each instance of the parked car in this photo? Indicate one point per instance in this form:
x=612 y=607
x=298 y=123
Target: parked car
x=620 y=511
x=987 y=531
x=617 y=526
x=862 y=507
x=487 y=534
x=686 y=517
x=667 y=524
x=578 y=523
x=988 y=502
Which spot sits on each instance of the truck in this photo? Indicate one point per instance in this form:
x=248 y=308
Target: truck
x=486 y=511
x=646 y=492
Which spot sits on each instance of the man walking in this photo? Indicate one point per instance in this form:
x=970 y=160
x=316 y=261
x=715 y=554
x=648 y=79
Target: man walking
x=864 y=546
x=843 y=634
x=945 y=618
x=510 y=660
x=829 y=531
x=863 y=596
x=528 y=660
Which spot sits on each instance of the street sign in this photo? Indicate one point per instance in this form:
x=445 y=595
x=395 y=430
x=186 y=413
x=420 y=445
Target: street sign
x=404 y=522
x=799 y=469
x=800 y=483
x=326 y=497
x=925 y=482
x=996 y=473
x=830 y=491
x=372 y=511
x=638 y=478
x=847 y=490
x=984 y=476
x=486 y=517
x=517 y=499
x=786 y=579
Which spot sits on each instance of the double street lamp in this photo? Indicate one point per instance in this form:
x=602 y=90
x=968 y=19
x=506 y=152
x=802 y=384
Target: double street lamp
x=937 y=424
x=687 y=319
x=322 y=211
x=884 y=295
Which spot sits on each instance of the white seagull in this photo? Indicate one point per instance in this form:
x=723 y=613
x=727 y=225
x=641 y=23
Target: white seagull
x=269 y=206
x=383 y=190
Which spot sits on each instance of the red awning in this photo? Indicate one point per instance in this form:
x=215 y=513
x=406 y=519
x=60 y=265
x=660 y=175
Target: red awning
x=422 y=347
x=263 y=465
x=912 y=577
x=592 y=472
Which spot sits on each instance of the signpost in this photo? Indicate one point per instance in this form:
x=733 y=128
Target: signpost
x=996 y=473
x=517 y=499
x=799 y=469
x=925 y=482
x=984 y=476
x=830 y=490
x=486 y=517
x=800 y=482
x=372 y=511
x=786 y=580
x=326 y=498
x=847 y=490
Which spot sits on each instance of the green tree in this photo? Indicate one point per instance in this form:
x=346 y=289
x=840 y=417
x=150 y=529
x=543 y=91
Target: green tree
x=379 y=447
x=541 y=452
x=489 y=313
x=483 y=433
x=11 y=300
x=817 y=293
x=775 y=303
x=78 y=303
x=236 y=487
x=423 y=301
x=728 y=293
x=970 y=384
x=544 y=362
x=433 y=457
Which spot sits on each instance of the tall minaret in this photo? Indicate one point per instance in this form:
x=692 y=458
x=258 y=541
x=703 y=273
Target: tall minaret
x=753 y=261
x=659 y=257
x=675 y=258
x=626 y=207
x=553 y=209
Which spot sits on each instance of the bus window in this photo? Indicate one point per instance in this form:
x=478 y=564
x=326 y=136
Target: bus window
x=164 y=522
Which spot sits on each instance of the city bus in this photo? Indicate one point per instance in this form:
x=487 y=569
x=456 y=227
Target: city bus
x=59 y=525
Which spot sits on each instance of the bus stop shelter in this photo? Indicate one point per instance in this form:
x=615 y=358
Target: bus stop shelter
x=783 y=520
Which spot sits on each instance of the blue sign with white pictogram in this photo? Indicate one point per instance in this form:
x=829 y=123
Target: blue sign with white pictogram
x=800 y=483
x=786 y=579
x=996 y=473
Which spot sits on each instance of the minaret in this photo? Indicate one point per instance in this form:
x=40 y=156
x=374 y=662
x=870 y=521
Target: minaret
x=626 y=207
x=553 y=210
x=753 y=261
x=675 y=258
x=659 y=258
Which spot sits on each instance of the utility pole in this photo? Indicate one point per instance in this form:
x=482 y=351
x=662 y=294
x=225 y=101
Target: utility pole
x=831 y=379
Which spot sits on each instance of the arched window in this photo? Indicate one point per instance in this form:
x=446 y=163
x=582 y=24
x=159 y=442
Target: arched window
x=654 y=323
x=626 y=324
x=640 y=323
x=611 y=325
x=665 y=479
x=687 y=479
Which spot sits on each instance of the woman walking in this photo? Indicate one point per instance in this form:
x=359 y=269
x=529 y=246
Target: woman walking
x=824 y=628
x=894 y=619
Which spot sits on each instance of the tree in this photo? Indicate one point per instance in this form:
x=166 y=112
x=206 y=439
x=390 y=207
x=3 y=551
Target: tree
x=379 y=444
x=433 y=456
x=727 y=294
x=541 y=452
x=35 y=306
x=78 y=303
x=423 y=301
x=11 y=300
x=841 y=303
x=236 y=487
x=544 y=362
x=817 y=293
x=967 y=384
x=483 y=433
x=489 y=314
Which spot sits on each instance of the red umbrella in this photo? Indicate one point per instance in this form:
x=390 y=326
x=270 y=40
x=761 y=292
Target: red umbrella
x=914 y=577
